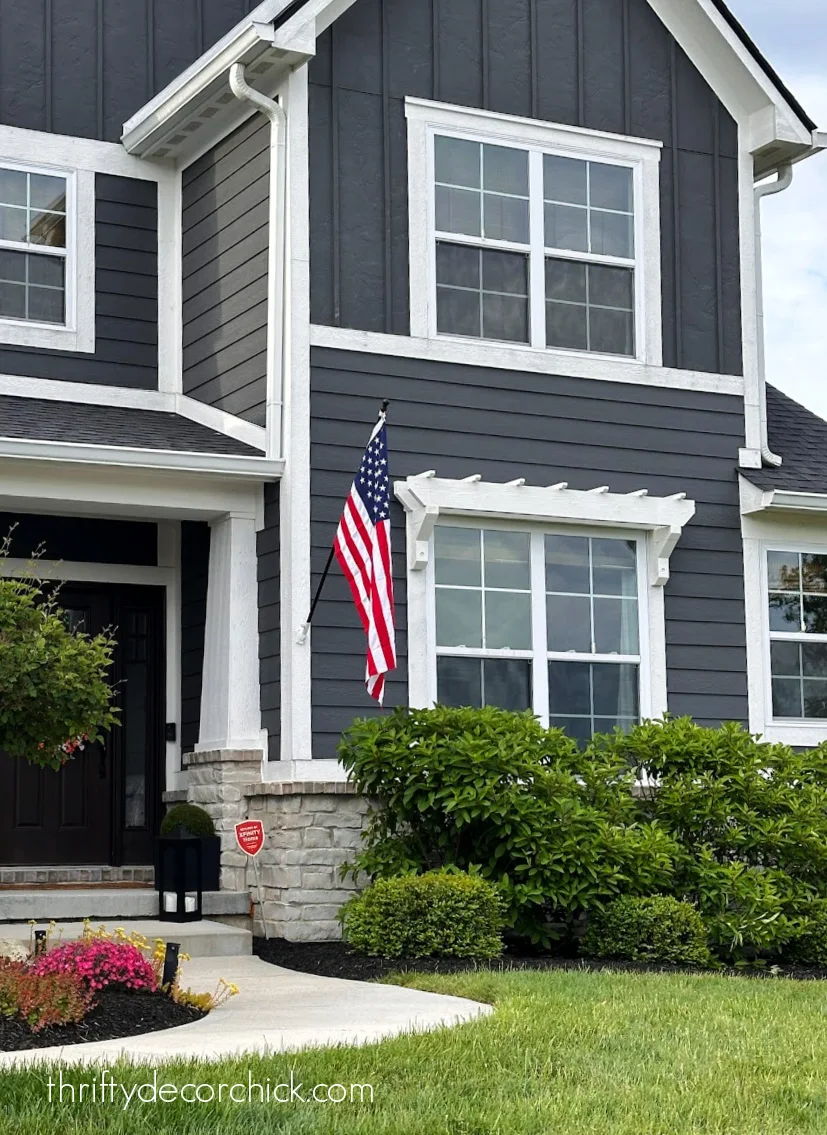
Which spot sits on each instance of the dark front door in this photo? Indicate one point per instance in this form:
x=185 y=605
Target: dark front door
x=103 y=805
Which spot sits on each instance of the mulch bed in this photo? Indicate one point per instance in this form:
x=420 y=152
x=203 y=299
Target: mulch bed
x=117 y=1013
x=336 y=959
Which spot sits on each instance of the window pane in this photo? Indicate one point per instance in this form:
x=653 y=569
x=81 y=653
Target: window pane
x=46 y=270
x=785 y=613
x=507 y=560
x=786 y=698
x=611 y=332
x=505 y=272
x=615 y=690
x=457 y=265
x=567 y=326
x=609 y=724
x=505 y=317
x=458 y=617
x=13 y=301
x=569 y=624
x=458 y=313
x=614 y=567
x=505 y=170
x=785 y=659
x=459 y=681
x=610 y=187
x=611 y=287
x=814 y=572
x=578 y=728
x=506 y=218
x=815 y=614
x=47 y=192
x=567 y=227
x=615 y=626
x=569 y=688
x=815 y=699
x=814 y=659
x=611 y=234
x=457 y=556
x=565 y=179
x=456 y=161
x=507 y=683
x=13 y=265
x=48 y=228
x=507 y=620
x=12 y=187
x=46 y=305
x=13 y=223
x=567 y=564
x=782 y=571
x=565 y=280
x=458 y=211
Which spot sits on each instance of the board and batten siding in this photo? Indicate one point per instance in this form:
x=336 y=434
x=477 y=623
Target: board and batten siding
x=601 y=64
x=195 y=559
x=269 y=621
x=83 y=67
x=460 y=421
x=126 y=296
x=225 y=236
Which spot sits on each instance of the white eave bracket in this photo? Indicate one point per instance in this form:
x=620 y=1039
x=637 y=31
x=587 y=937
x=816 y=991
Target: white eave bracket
x=427 y=497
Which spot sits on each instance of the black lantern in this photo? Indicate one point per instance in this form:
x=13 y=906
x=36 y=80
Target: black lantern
x=179 y=861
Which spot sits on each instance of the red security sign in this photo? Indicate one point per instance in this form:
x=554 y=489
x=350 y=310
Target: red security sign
x=250 y=836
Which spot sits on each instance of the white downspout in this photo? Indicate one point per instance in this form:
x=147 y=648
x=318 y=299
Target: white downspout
x=783 y=181
x=276 y=261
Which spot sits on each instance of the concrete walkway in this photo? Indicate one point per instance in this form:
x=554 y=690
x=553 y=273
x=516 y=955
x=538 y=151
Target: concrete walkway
x=277 y=1010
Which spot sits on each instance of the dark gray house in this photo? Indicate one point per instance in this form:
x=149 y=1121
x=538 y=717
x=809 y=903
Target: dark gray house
x=533 y=226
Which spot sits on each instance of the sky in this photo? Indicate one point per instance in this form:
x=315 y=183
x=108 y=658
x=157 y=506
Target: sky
x=792 y=34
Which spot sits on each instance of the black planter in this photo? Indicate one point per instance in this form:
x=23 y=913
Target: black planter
x=210 y=863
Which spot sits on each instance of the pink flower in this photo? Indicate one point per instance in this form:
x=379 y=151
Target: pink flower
x=100 y=963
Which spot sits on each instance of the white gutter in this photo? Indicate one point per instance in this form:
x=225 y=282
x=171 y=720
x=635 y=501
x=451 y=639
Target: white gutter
x=277 y=260
x=783 y=181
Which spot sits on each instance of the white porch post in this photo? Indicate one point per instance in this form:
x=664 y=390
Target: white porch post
x=230 y=701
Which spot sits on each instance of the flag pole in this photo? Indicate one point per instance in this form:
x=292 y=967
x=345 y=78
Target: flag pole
x=304 y=630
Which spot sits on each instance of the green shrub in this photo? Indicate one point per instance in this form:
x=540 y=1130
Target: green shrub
x=808 y=936
x=194 y=820
x=655 y=929
x=494 y=792
x=439 y=914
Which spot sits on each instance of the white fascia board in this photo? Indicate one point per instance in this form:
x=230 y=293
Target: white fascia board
x=755 y=500
x=152 y=130
x=427 y=497
x=224 y=464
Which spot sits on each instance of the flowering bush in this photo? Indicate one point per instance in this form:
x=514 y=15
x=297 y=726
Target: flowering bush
x=42 y=999
x=100 y=963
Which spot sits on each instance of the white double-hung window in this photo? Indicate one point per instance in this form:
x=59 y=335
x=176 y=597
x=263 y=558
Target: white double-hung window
x=797 y=611
x=523 y=233
x=548 y=600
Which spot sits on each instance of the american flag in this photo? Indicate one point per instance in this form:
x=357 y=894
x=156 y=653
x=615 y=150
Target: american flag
x=363 y=549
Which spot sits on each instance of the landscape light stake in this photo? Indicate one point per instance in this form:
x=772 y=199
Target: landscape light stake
x=170 y=963
x=39 y=942
x=301 y=638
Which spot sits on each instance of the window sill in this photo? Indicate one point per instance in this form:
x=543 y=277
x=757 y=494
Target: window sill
x=798 y=734
x=44 y=336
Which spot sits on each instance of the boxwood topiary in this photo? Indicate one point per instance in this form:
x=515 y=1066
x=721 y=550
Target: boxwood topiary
x=655 y=929
x=194 y=820
x=438 y=914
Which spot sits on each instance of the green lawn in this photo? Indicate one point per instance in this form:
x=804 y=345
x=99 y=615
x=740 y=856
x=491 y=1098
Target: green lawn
x=565 y=1054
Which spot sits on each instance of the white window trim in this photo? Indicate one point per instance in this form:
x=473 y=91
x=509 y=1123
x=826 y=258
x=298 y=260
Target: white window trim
x=792 y=536
x=78 y=332
x=425 y=119
x=655 y=522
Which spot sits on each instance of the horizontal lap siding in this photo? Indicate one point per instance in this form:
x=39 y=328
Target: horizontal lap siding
x=269 y=621
x=601 y=64
x=225 y=253
x=126 y=296
x=504 y=424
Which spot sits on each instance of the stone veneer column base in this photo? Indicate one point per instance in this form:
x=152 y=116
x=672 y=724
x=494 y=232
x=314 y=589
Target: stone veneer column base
x=216 y=782
x=311 y=829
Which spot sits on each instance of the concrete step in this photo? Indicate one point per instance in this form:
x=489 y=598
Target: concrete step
x=68 y=903
x=206 y=939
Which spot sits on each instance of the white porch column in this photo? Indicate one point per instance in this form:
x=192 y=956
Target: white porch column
x=230 y=700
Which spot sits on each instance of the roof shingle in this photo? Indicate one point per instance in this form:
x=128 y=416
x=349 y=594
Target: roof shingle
x=798 y=436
